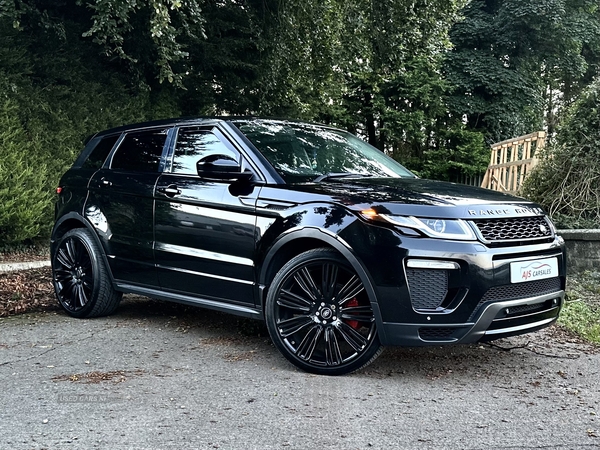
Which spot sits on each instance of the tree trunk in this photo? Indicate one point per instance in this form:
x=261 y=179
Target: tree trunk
x=370 y=119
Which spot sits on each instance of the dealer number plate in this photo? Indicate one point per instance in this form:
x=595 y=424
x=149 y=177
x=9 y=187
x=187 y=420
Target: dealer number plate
x=532 y=270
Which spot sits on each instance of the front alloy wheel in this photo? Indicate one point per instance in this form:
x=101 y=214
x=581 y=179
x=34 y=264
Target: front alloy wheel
x=319 y=315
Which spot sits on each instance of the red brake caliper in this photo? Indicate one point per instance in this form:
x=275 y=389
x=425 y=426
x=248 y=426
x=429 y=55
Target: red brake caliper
x=352 y=323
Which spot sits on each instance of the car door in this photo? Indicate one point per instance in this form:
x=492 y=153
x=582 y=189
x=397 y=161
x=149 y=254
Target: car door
x=120 y=205
x=205 y=228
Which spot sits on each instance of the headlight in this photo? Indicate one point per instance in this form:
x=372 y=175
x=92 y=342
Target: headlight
x=436 y=228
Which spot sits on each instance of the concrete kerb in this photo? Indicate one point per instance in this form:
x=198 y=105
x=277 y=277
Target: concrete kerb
x=16 y=266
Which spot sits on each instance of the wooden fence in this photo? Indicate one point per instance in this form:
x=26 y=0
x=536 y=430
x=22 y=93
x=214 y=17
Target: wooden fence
x=511 y=161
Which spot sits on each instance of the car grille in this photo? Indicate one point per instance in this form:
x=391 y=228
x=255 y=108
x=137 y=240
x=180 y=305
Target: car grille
x=428 y=288
x=522 y=228
x=519 y=291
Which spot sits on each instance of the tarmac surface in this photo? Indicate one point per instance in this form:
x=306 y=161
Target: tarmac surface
x=163 y=376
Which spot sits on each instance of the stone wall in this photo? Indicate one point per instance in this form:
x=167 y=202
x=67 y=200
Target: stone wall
x=583 y=249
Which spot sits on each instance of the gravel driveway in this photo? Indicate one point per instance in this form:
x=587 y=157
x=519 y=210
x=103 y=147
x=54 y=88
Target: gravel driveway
x=157 y=375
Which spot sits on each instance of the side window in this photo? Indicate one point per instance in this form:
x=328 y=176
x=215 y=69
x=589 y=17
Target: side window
x=195 y=144
x=140 y=151
x=100 y=152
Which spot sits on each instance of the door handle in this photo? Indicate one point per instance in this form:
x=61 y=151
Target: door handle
x=105 y=183
x=170 y=190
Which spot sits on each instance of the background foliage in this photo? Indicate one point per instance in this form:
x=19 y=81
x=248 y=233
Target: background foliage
x=431 y=82
x=567 y=182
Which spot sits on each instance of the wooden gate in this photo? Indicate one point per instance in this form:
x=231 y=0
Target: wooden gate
x=511 y=161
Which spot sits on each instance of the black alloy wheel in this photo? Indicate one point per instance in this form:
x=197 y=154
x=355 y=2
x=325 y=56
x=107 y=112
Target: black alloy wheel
x=81 y=282
x=319 y=314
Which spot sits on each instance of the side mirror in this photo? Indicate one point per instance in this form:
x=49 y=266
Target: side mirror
x=221 y=167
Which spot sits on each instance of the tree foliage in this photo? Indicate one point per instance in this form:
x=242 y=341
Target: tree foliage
x=146 y=35
x=567 y=182
x=23 y=180
x=515 y=65
x=375 y=69
x=54 y=93
x=430 y=82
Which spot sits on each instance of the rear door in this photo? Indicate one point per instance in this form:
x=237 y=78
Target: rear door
x=120 y=205
x=205 y=230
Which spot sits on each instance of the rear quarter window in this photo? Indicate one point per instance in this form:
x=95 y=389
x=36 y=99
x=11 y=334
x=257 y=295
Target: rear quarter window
x=100 y=152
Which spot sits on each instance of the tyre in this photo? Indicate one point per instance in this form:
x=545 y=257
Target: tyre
x=319 y=315
x=81 y=281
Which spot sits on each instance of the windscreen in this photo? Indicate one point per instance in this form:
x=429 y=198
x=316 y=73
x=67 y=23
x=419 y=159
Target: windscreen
x=302 y=153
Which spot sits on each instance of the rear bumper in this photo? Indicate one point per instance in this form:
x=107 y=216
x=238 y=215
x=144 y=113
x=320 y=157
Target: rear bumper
x=493 y=321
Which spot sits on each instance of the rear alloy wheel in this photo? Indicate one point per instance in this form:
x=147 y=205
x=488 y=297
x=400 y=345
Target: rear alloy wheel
x=81 y=281
x=319 y=314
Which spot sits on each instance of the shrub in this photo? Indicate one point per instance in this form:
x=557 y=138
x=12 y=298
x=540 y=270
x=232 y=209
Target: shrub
x=25 y=201
x=461 y=152
x=54 y=92
x=567 y=179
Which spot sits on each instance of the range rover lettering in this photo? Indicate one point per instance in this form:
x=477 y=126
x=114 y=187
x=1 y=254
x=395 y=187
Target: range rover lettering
x=336 y=246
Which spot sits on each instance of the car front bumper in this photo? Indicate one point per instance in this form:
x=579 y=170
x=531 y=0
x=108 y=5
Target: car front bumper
x=480 y=302
x=494 y=321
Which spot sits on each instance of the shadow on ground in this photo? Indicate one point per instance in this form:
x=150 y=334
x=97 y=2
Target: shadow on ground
x=519 y=354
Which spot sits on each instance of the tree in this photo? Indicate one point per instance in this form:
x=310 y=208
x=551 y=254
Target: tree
x=384 y=70
x=54 y=91
x=566 y=182
x=146 y=36
x=371 y=67
x=516 y=64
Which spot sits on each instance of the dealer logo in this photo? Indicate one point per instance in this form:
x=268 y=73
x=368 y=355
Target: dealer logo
x=535 y=270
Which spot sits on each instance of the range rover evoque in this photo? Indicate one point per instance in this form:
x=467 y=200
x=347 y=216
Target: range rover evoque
x=337 y=247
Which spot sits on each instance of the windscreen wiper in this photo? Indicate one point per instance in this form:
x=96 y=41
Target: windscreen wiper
x=332 y=175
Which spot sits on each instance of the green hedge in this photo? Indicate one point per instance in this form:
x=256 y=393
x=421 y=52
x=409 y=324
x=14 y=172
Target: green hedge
x=25 y=198
x=53 y=94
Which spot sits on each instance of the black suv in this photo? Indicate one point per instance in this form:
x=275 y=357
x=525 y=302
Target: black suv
x=336 y=246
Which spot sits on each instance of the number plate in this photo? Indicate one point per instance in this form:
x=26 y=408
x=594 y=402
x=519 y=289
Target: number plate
x=532 y=270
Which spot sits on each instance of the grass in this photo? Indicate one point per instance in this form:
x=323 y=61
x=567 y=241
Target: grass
x=581 y=314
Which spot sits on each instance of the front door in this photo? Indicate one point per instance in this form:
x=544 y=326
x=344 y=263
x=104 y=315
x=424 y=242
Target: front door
x=204 y=229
